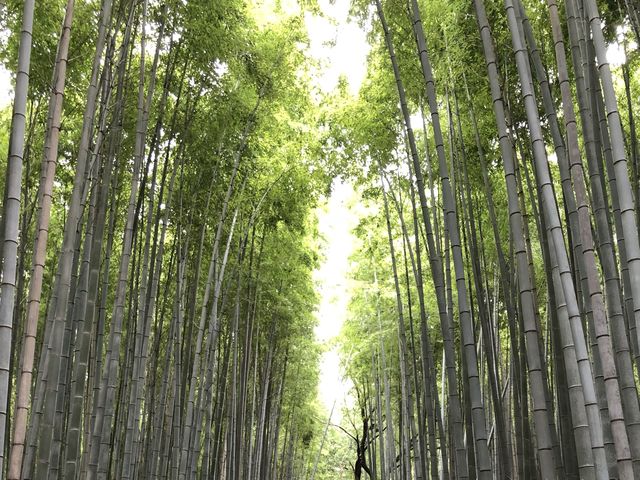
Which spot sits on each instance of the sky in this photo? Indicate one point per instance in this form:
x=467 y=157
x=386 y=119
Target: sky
x=341 y=48
x=335 y=223
x=339 y=44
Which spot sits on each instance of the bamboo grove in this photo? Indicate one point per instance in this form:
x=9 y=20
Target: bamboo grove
x=157 y=301
x=164 y=160
x=493 y=330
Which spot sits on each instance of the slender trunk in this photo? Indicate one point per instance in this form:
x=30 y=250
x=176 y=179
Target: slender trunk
x=42 y=230
x=11 y=215
x=451 y=219
x=623 y=184
x=436 y=268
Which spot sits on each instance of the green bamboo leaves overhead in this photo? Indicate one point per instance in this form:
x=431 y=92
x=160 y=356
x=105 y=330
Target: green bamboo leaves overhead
x=159 y=235
x=183 y=156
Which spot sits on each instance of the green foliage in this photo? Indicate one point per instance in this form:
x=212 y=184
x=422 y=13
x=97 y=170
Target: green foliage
x=239 y=91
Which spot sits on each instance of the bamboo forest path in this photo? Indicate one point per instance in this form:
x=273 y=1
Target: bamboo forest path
x=341 y=48
x=319 y=240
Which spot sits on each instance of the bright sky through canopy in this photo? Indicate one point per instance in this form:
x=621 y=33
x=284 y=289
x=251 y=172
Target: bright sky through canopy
x=339 y=44
x=341 y=48
x=336 y=220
